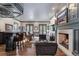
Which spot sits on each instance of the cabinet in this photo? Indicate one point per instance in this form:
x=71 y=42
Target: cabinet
x=5 y=37
x=1 y=38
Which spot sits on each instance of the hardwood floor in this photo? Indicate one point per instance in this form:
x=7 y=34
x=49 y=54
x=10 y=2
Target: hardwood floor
x=25 y=51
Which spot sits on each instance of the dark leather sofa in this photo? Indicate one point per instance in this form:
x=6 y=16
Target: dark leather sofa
x=46 y=48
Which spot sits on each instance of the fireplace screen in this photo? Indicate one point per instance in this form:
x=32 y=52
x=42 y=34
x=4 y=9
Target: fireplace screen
x=64 y=39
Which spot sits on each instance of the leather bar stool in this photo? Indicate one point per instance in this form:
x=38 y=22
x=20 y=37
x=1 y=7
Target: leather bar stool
x=24 y=39
x=20 y=40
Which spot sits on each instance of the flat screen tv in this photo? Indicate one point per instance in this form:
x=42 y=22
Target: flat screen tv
x=42 y=37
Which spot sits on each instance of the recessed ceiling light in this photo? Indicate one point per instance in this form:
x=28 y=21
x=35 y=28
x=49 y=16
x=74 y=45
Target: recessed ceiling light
x=53 y=8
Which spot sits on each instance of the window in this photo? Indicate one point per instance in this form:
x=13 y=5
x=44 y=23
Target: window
x=8 y=27
x=29 y=28
x=72 y=11
x=53 y=27
x=15 y=27
x=42 y=28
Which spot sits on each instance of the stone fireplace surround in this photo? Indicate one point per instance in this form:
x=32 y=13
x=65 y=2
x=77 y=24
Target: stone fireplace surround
x=70 y=33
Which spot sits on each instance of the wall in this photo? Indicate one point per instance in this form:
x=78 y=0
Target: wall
x=34 y=22
x=23 y=23
x=4 y=21
x=73 y=23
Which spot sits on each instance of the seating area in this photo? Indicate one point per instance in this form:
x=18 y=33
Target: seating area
x=12 y=41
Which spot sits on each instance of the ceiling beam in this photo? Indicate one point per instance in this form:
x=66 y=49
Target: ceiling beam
x=11 y=13
x=18 y=6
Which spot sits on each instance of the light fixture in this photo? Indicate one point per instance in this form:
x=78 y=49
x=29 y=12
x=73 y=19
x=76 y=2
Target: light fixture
x=53 y=8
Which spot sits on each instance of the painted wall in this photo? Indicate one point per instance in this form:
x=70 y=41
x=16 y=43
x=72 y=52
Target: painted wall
x=35 y=23
x=4 y=21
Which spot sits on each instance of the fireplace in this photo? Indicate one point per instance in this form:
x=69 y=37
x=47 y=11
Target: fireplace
x=65 y=40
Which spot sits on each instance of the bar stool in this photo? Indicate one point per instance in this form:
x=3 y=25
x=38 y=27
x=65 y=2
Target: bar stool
x=16 y=39
x=21 y=40
x=24 y=39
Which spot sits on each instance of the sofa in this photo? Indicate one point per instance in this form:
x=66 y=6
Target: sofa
x=45 y=48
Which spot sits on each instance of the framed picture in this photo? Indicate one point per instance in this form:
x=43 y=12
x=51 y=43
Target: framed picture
x=8 y=27
x=62 y=17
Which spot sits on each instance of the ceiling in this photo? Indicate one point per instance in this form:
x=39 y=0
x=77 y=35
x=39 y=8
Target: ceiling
x=40 y=11
x=30 y=11
x=10 y=10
